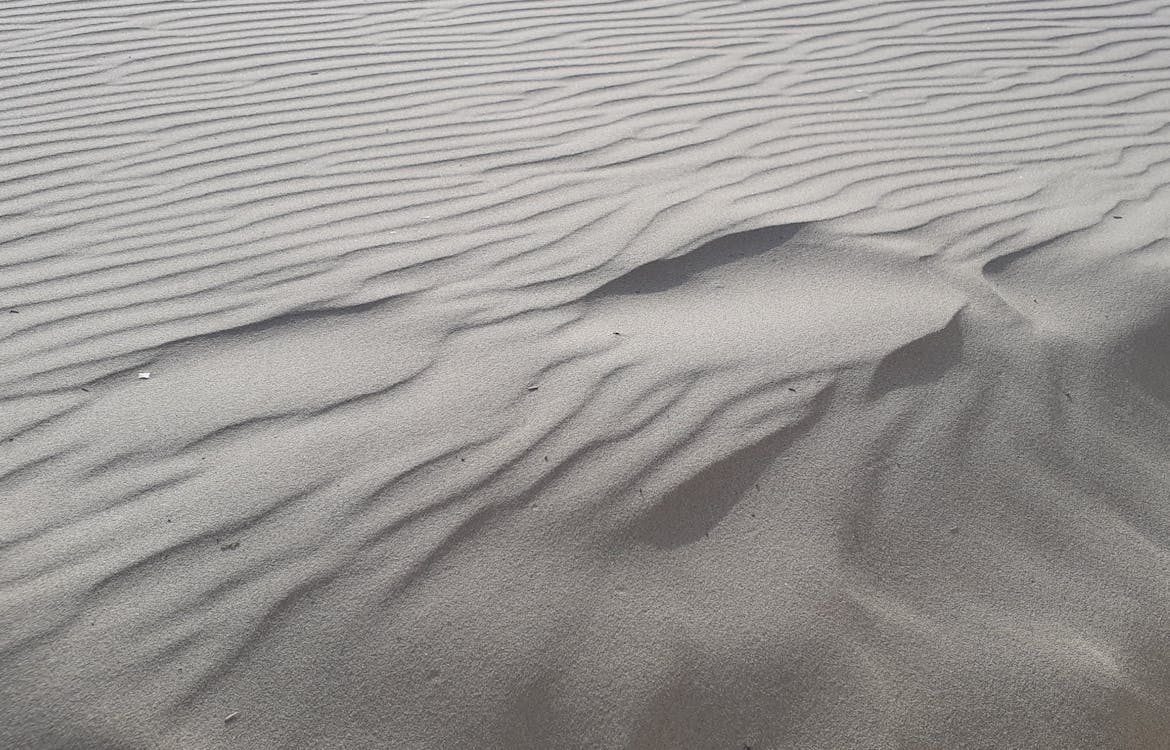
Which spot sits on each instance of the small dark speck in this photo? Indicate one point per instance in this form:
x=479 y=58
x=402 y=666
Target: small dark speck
x=168 y=520
x=86 y=390
x=14 y=312
x=1117 y=217
x=546 y=458
x=793 y=390
x=617 y=333
x=229 y=547
x=462 y=460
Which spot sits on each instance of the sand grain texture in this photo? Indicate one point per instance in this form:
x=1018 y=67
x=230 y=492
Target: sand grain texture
x=667 y=374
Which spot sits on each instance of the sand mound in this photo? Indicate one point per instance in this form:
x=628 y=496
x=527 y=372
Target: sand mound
x=672 y=374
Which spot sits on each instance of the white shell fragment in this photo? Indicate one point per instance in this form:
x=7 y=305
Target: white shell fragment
x=144 y=376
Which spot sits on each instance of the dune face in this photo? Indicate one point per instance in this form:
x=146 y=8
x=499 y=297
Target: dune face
x=670 y=374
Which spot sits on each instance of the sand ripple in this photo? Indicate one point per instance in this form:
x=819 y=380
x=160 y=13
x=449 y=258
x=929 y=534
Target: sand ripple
x=671 y=374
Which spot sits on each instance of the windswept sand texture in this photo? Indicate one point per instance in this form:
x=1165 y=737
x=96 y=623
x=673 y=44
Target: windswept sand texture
x=666 y=374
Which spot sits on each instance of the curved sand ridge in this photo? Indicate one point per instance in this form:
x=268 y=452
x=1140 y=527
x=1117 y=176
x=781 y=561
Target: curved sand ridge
x=650 y=375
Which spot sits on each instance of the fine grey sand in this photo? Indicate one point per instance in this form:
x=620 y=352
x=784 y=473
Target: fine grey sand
x=670 y=374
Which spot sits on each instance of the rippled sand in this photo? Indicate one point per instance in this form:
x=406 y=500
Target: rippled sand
x=670 y=374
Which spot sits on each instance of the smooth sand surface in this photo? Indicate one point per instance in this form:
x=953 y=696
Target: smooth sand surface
x=667 y=374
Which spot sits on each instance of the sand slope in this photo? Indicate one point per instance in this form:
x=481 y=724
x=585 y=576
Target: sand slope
x=667 y=374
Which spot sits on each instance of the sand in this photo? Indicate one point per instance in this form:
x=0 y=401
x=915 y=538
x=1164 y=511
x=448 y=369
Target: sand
x=667 y=374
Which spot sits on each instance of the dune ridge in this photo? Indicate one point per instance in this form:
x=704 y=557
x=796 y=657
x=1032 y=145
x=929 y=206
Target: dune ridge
x=669 y=374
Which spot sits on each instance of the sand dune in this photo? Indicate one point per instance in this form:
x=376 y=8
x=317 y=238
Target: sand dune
x=666 y=374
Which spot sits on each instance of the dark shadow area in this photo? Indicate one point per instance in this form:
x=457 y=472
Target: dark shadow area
x=668 y=273
x=1146 y=357
x=691 y=510
x=923 y=360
